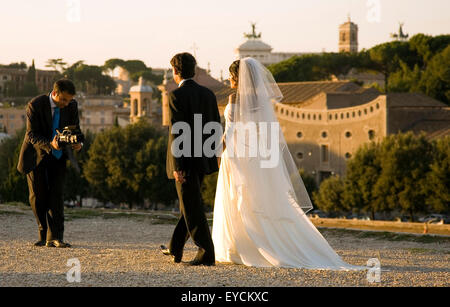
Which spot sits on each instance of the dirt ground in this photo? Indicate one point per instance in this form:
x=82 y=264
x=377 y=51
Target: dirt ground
x=123 y=250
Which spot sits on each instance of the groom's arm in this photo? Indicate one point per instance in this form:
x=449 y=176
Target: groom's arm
x=177 y=114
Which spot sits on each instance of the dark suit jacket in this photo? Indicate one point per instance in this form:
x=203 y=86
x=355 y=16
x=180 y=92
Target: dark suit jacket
x=185 y=101
x=36 y=144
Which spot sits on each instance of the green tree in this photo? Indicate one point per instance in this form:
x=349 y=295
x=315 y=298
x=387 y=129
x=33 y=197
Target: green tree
x=21 y=65
x=363 y=171
x=125 y=165
x=151 y=175
x=405 y=79
x=310 y=183
x=30 y=88
x=56 y=63
x=405 y=161
x=13 y=185
x=330 y=198
x=437 y=183
x=111 y=64
x=90 y=79
x=76 y=186
x=435 y=81
x=386 y=57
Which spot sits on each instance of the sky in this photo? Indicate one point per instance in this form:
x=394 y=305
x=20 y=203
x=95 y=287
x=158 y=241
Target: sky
x=154 y=30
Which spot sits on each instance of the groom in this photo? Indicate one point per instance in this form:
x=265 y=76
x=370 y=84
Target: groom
x=187 y=100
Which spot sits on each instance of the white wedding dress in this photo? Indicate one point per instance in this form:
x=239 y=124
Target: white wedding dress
x=258 y=222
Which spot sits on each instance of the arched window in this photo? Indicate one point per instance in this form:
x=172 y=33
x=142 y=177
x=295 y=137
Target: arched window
x=348 y=134
x=371 y=135
x=299 y=134
x=324 y=134
x=135 y=106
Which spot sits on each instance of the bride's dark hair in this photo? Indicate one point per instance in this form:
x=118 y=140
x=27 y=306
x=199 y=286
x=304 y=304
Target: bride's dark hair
x=234 y=70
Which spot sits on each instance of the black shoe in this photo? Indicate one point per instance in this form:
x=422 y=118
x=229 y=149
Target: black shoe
x=40 y=243
x=57 y=243
x=201 y=262
x=166 y=251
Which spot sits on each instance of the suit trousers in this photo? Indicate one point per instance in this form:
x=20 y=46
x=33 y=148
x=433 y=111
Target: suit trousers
x=193 y=222
x=45 y=186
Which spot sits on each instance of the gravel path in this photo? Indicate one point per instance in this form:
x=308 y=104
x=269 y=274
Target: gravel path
x=124 y=252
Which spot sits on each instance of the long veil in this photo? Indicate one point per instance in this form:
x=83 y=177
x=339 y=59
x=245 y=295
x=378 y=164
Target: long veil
x=257 y=92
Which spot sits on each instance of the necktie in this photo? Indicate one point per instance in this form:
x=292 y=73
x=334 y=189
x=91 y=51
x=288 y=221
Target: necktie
x=56 y=153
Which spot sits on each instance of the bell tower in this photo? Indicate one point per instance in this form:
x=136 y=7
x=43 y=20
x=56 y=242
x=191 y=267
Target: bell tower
x=140 y=100
x=348 y=37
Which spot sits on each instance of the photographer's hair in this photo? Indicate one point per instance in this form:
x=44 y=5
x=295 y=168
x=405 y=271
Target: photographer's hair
x=184 y=63
x=234 y=70
x=64 y=85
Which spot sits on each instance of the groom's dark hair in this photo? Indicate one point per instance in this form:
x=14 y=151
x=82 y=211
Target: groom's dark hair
x=184 y=63
x=64 y=86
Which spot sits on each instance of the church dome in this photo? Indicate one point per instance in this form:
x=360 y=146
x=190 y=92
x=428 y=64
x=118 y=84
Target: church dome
x=254 y=45
x=141 y=87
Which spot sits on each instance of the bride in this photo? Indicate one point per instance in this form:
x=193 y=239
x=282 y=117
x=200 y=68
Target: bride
x=260 y=211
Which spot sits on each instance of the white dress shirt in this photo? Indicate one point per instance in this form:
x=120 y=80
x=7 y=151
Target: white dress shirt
x=52 y=104
x=182 y=81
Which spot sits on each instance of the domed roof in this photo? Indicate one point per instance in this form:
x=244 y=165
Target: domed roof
x=254 y=45
x=141 y=87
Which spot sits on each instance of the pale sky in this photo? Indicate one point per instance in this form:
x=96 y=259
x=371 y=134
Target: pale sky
x=154 y=30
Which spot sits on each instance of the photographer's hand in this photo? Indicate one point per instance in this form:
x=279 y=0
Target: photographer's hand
x=77 y=146
x=54 y=143
x=179 y=176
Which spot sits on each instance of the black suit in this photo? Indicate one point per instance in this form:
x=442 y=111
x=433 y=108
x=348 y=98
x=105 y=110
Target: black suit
x=45 y=174
x=189 y=99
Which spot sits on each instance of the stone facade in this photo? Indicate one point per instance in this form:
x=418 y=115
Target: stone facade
x=325 y=122
x=15 y=79
x=325 y=131
x=98 y=113
x=12 y=118
x=142 y=105
x=348 y=37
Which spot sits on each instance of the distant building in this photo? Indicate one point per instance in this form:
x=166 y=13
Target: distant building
x=324 y=131
x=123 y=81
x=325 y=122
x=142 y=104
x=12 y=119
x=348 y=37
x=99 y=113
x=12 y=80
x=254 y=47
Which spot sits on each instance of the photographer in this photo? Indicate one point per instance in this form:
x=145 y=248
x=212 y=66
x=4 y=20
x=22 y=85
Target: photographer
x=43 y=158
